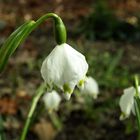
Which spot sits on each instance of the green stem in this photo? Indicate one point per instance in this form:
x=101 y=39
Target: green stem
x=55 y=120
x=59 y=30
x=16 y=38
x=137 y=103
x=36 y=98
x=136 y=85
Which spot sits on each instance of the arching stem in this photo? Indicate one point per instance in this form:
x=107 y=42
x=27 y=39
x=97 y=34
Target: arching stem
x=36 y=98
x=19 y=36
x=137 y=103
x=59 y=27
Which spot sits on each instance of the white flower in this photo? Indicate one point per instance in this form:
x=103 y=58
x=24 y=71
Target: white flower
x=90 y=87
x=127 y=102
x=51 y=100
x=64 y=67
x=67 y=96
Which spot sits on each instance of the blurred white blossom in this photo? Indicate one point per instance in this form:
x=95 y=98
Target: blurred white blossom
x=52 y=100
x=127 y=102
x=90 y=87
x=64 y=67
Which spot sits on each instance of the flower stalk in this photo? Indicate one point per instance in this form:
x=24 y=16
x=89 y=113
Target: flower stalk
x=36 y=98
x=19 y=36
x=137 y=103
x=59 y=27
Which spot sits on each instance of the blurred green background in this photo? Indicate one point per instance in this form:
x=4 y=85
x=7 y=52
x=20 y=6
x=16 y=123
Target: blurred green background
x=107 y=32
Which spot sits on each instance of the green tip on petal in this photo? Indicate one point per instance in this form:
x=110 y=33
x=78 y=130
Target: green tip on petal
x=81 y=82
x=67 y=89
x=123 y=116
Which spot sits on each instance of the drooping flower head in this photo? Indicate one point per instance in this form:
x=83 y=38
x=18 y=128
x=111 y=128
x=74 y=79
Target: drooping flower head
x=52 y=100
x=90 y=87
x=127 y=102
x=64 y=67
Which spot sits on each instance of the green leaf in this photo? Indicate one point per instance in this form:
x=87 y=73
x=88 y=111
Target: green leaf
x=137 y=110
x=17 y=37
x=14 y=40
x=114 y=63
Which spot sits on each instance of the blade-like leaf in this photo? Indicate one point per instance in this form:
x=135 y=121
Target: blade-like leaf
x=15 y=39
x=15 y=33
x=137 y=110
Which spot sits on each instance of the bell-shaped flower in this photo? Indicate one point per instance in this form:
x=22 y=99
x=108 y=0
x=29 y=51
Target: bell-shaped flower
x=90 y=87
x=127 y=102
x=64 y=67
x=52 y=100
x=66 y=96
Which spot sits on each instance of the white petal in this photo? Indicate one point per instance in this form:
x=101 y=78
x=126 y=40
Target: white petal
x=133 y=110
x=90 y=87
x=127 y=102
x=67 y=96
x=64 y=67
x=52 y=100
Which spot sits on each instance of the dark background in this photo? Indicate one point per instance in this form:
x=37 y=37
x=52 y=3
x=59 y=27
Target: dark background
x=107 y=33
